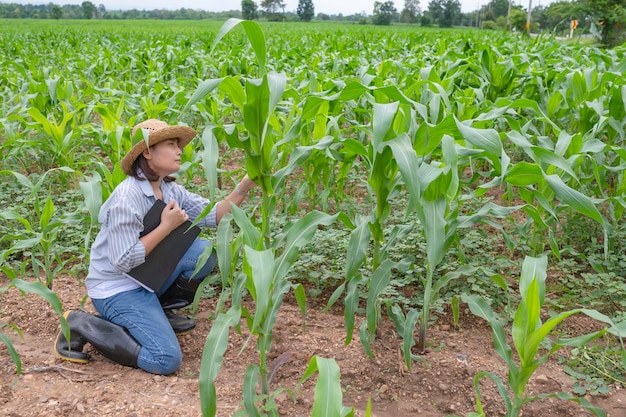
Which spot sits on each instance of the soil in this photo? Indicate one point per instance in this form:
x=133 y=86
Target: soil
x=440 y=385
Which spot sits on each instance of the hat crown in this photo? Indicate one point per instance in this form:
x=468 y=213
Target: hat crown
x=151 y=124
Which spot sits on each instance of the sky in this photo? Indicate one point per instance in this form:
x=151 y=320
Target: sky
x=346 y=7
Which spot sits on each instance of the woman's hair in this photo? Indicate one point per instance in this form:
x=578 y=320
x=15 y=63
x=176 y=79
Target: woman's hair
x=141 y=165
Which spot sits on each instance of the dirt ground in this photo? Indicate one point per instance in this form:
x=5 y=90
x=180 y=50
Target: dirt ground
x=439 y=386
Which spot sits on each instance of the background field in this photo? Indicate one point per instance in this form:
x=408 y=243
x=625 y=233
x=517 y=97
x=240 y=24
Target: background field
x=405 y=175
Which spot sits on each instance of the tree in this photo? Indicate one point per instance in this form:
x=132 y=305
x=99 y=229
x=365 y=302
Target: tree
x=445 y=12
x=273 y=9
x=610 y=15
x=451 y=13
x=518 y=19
x=89 y=9
x=411 y=11
x=306 y=10
x=249 y=10
x=499 y=7
x=557 y=16
x=383 y=12
x=56 y=12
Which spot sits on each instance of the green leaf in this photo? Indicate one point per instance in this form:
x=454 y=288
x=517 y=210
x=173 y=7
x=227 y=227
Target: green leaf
x=407 y=335
x=260 y=267
x=575 y=199
x=524 y=174
x=378 y=283
x=479 y=308
x=202 y=90
x=300 y=295
x=212 y=356
x=210 y=155
x=328 y=391
x=39 y=288
x=382 y=119
x=409 y=165
x=485 y=139
x=255 y=36
x=250 y=382
x=357 y=247
x=92 y=191
x=46 y=213
x=15 y=357
x=298 y=236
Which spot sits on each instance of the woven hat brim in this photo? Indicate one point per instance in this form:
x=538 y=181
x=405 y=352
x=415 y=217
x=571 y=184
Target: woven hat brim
x=184 y=135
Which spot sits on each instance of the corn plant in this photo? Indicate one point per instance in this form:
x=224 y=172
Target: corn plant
x=529 y=335
x=264 y=269
x=264 y=278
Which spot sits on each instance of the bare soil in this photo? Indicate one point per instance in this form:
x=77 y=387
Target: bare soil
x=441 y=385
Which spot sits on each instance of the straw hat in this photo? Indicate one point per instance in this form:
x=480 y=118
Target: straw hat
x=158 y=132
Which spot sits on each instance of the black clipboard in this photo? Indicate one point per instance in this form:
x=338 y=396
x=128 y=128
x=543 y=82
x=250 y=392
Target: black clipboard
x=160 y=263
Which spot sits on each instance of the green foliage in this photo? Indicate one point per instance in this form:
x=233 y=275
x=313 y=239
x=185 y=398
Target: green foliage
x=609 y=15
x=596 y=368
x=529 y=333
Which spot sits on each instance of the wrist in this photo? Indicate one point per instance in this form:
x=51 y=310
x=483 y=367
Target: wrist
x=239 y=191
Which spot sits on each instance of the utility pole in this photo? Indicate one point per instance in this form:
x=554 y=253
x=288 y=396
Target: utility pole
x=530 y=7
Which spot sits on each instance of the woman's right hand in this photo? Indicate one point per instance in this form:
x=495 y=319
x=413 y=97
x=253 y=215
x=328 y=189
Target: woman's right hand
x=173 y=216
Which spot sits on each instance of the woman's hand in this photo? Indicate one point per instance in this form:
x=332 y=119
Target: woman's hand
x=173 y=216
x=237 y=196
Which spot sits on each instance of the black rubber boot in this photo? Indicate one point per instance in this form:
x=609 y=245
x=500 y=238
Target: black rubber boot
x=111 y=340
x=179 y=295
x=73 y=350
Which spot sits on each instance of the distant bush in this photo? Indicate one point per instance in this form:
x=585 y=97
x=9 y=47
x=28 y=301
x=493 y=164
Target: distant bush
x=490 y=25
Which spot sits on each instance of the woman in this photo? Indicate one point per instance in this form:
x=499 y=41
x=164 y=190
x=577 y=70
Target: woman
x=137 y=327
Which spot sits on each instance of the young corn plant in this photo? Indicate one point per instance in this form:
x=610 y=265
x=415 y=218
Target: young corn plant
x=434 y=190
x=530 y=334
x=264 y=278
x=328 y=400
x=267 y=257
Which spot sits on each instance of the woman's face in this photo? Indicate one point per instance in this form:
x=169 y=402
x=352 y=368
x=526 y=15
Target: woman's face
x=164 y=157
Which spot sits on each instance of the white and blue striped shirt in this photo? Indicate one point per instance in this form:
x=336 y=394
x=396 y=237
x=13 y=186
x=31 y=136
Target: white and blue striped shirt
x=117 y=248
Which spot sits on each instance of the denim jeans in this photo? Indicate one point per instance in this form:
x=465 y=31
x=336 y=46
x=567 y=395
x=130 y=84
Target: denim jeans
x=140 y=312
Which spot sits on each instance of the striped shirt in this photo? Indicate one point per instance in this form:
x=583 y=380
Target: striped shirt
x=117 y=248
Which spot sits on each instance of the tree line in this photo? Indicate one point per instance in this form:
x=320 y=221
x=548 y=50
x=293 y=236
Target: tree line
x=604 y=18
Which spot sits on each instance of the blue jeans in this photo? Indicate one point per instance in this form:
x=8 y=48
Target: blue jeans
x=140 y=312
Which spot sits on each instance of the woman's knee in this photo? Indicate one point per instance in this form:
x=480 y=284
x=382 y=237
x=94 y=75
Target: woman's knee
x=164 y=362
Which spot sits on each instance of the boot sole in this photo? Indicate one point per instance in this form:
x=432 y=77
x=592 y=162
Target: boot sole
x=184 y=332
x=59 y=355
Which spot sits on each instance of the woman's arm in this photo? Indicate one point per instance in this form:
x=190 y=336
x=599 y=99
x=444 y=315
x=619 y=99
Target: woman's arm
x=237 y=196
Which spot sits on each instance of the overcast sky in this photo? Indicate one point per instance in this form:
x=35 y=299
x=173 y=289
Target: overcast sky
x=346 y=7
